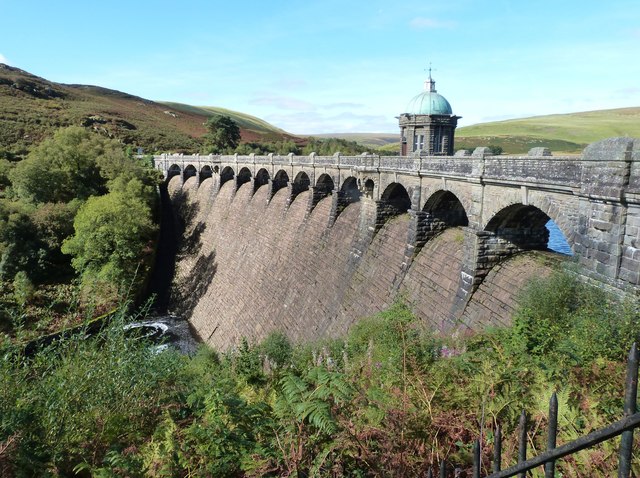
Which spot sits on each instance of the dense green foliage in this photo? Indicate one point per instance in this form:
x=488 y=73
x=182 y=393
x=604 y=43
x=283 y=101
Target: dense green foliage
x=80 y=196
x=322 y=147
x=387 y=400
x=329 y=146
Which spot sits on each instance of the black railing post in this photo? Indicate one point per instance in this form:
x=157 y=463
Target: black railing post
x=550 y=466
x=476 y=459
x=497 y=450
x=630 y=397
x=522 y=450
x=443 y=469
x=430 y=472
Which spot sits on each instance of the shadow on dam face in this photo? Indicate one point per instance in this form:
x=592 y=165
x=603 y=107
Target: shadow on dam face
x=176 y=217
x=251 y=263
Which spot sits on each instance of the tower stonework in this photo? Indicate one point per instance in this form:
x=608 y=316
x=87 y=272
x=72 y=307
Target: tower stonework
x=428 y=127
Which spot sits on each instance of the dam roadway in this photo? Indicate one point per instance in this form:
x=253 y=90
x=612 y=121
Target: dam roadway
x=309 y=244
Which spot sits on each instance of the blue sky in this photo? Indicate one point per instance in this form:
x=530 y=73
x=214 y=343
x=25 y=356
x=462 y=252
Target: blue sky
x=338 y=66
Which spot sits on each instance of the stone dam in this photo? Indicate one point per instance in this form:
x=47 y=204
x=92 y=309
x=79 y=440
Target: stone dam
x=307 y=244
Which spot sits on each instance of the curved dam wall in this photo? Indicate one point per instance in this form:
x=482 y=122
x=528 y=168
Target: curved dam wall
x=251 y=264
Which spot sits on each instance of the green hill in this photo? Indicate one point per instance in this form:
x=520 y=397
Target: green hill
x=375 y=140
x=566 y=133
x=569 y=133
x=31 y=108
x=245 y=121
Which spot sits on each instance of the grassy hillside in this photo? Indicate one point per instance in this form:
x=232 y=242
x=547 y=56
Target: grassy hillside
x=561 y=133
x=31 y=108
x=375 y=140
x=251 y=125
x=569 y=133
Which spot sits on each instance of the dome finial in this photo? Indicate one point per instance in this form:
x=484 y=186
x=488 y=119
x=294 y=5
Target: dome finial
x=430 y=84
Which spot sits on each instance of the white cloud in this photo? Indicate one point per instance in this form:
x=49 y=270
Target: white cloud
x=342 y=105
x=283 y=102
x=305 y=123
x=3 y=59
x=421 y=23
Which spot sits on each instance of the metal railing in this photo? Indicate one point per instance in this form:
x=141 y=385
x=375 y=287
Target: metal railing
x=624 y=427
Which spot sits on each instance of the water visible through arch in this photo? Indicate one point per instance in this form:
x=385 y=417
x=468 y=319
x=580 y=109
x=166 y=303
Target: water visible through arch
x=557 y=241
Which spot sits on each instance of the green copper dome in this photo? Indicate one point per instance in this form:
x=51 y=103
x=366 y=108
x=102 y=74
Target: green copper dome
x=429 y=102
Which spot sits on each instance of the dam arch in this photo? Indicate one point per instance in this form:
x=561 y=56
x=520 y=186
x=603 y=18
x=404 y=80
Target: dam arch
x=227 y=174
x=244 y=176
x=190 y=171
x=396 y=198
x=261 y=179
x=280 y=180
x=325 y=184
x=445 y=208
x=301 y=182
x=522 y=226
x=205 y=172
x=174 y=170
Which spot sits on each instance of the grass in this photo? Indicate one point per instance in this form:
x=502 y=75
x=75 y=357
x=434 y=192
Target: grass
x=569 y=133
x=32 y=108
x=566 y=133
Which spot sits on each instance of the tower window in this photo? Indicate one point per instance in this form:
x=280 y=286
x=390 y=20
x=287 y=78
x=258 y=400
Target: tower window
x=418 y=142
x=438 y=140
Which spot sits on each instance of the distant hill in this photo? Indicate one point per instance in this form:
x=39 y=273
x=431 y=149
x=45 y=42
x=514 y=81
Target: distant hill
x=246 y=122
x=31 y=108
x=375 y=140
x=561 y=133
x=566 y=133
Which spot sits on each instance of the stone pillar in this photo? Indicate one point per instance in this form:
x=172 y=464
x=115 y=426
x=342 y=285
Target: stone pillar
x=271 y=190
x=215 y=188
x=629 y=271
x=384 y=211
x=605 y=236
x=482 y=250
x=367 y=229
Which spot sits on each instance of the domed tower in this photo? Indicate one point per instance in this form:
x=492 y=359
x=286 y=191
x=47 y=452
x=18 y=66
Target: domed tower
x=428 y=126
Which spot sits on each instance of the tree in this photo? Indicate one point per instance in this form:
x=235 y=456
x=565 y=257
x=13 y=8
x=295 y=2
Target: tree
x=495 y=150
x=113 y=236
x=223 y=134
x=74 y=163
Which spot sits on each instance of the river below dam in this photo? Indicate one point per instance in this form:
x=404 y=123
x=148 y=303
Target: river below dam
x=165 y=330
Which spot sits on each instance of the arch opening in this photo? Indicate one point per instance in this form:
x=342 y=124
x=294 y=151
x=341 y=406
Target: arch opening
x=190 y=171
x=445 y=210
x=350 y=191
x=244 y=176
x=526 y=227
x=301 y=183
x=369 y=186
x=395 y=199
x=174 y=170
x=262 y=178
x=206 y=172
x=280 y=181
x=325 y=184
x=227 y=174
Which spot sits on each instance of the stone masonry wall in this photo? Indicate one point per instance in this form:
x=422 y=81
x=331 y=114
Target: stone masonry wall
x=249 y=266
x=496 y=298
